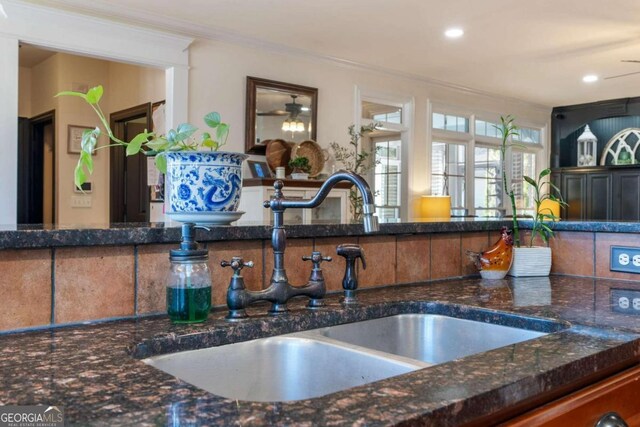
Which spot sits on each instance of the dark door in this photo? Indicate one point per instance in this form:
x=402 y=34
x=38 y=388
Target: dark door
x=599 y=191
x=129 y=191
x=36 y=160
x=626 y=195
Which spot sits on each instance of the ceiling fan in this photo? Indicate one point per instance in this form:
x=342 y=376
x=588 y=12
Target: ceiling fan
x=635 y=61
x=291 y=109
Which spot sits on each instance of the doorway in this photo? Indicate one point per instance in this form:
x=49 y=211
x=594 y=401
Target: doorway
x=129 y=193
x=36 y=169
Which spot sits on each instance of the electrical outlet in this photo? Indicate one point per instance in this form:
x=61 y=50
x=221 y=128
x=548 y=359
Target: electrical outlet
x=80 y=201
x=625 y=301
x=625 y=259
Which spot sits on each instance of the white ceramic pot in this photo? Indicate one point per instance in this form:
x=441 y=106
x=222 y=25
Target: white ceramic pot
x=531 y=262
x=299 y=176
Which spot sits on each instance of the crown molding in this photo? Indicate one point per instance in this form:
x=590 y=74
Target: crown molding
x=153 y=21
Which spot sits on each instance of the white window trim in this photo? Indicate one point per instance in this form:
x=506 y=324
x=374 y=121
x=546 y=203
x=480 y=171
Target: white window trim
x=407 y=103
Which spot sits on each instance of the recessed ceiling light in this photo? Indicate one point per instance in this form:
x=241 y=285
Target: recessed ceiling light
x=454 y=33
x=590 y=78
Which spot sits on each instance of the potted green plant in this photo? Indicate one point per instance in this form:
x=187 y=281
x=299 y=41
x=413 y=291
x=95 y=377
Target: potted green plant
x=202 y=186
x=529 y=260
x=301 y=167
x=357 y=160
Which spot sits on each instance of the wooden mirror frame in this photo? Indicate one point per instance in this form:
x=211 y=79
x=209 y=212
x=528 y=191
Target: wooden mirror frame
x=253 y=83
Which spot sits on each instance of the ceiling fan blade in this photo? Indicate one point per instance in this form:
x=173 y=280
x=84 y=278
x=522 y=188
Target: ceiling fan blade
x=274 y=113
x=630 y=60
x=621 y=75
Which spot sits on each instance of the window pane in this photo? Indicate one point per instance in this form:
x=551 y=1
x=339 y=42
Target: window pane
x=524 y=164
x=381 y=112
x=387 y=178
x=447 y=172
x=438 y=121
x=488 y=192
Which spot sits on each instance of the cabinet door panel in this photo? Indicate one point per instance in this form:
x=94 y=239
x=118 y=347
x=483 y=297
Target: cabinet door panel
x=574 y=192
x=599 y=196
x=626 y=196
x=585 y=407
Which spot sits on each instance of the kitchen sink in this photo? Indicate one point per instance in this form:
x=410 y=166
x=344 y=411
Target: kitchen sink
x=431 y=338
x=317 y=362
x=280 y=368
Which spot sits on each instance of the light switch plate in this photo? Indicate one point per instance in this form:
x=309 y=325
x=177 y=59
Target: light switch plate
x=625 y=259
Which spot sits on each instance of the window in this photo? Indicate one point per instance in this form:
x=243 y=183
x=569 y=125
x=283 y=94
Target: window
x=523 y=164
x=487 y=183
x=448 y=173
x=487 y=129
x=450 y=122
x=381 y=112
x=388 y=177
x=528 y=136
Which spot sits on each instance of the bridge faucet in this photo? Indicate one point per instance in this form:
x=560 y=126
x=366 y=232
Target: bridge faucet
x=280 y=290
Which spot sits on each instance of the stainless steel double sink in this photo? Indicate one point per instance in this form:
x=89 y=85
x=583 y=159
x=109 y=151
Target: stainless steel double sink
x=314 y=363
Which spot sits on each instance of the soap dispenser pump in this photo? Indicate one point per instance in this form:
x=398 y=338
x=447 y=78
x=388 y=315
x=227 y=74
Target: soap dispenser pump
x=189 y=280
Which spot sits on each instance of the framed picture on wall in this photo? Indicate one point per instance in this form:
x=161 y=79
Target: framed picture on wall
x=259 y=169
x=74 y=143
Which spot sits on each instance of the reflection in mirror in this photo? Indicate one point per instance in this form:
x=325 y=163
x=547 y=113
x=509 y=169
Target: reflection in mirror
x=277 y=110
x=48 y=125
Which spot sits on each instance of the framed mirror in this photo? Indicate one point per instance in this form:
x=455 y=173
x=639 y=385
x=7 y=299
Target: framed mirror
x=277 y=110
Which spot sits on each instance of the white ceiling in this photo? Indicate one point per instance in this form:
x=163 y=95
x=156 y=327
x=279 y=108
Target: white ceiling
x=532 y=50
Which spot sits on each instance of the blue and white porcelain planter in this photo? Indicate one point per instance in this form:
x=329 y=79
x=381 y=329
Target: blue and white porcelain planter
x=203 y=184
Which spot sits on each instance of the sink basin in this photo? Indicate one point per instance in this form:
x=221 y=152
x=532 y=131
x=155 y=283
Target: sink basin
x=430 y=338
x=281 y=368
x=314 y=363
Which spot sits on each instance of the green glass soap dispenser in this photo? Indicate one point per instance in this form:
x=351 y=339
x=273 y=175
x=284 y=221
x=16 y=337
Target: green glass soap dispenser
x=188 y=281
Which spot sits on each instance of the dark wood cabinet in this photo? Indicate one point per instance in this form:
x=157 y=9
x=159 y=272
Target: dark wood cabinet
x=600 y=193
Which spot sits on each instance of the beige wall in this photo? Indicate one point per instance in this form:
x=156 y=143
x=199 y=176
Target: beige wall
x=125 y=86
x=217 y=82
x=24 y=92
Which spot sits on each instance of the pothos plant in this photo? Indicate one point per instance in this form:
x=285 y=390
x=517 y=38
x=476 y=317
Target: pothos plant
x=179 y=139
x=357 y=160
x=508 y=130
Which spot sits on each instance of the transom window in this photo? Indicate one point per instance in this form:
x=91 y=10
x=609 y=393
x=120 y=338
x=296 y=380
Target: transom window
x=450 y=122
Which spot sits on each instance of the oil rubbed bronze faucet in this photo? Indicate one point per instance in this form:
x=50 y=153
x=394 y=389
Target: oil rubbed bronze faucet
x=280 y=290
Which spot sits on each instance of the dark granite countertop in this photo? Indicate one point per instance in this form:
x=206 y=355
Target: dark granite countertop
x=94 y=371
x=38 y=236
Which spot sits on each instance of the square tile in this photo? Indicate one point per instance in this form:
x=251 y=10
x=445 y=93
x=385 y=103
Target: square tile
x=380 y=255
x=153 y=267
x=413 y=258
x=572 y=253
x=93 y=283
x=476 y=242
x=25 y=286
x=333 y=271
x=249 y=250
x=604 y=241
x=445 y=256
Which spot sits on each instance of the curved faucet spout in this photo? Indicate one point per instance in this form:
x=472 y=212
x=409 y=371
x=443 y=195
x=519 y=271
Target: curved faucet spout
x=279 y=203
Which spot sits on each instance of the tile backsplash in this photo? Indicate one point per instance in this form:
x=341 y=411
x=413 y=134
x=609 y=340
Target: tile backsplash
x=40 y=287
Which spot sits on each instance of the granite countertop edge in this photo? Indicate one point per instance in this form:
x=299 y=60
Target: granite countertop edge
x=32 y=237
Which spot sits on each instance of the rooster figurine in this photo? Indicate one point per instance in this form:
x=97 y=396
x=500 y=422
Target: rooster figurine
x=494 y=263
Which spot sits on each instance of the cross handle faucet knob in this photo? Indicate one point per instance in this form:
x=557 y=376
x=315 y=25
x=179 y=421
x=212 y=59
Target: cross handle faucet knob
x=237 y=264
x=316 y=258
